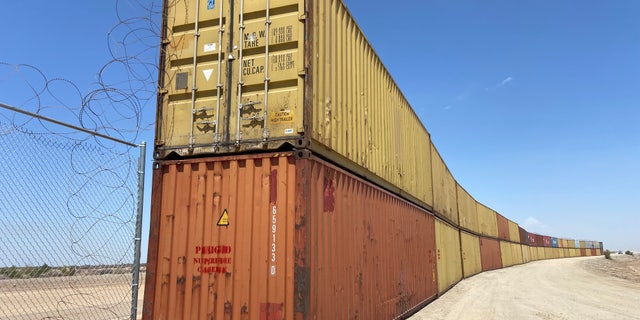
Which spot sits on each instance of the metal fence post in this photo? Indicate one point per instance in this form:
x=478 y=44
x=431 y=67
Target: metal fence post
x=135 y=284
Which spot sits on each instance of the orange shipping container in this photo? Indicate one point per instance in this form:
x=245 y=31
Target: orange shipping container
x=282 y=236
x=503 y=227
x=490 y=252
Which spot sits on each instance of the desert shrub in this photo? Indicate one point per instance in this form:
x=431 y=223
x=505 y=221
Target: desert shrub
x=628 y=252
x=607 y=254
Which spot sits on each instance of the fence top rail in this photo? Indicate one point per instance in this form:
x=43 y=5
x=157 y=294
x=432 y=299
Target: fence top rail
x=64 y=124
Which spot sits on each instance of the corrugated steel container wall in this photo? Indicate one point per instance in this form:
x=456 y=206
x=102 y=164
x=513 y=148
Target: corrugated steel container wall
x=234 y=83
x=505 y=254
x=601 y=245
x=526 y=253
x=583 y=244
x=490 y=253
x=516 y=251
x=577 y=244
x=583 y=252
x=503 y=227
x=540 y=240
x=546 y=241
x=524 y=236
x=554 y=242
x=514 y=233
x=445 y=202
x=549 y=253
x=471 y=259
x=542 y=254
x=533 y=253
x=531 y=238
x=272 y=236
x=487 y=221
x=467 y=210
x=448 y=253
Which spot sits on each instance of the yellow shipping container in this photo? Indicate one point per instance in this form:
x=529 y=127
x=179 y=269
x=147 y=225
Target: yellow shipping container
x=444 y=188
x=511 y=253
x=516 y=253
x=471 y=258
x=487 y=221
x=505 y=253
x=250 y=76
x=449 y=264
x=467 y=210
x=526 y=253
x=514 y=233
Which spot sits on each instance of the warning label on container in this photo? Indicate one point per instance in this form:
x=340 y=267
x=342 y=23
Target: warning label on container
x=212 y=259
x=284 y=116
x=224 y=219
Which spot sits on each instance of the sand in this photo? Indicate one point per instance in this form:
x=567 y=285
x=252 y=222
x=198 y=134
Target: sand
x=567 y=289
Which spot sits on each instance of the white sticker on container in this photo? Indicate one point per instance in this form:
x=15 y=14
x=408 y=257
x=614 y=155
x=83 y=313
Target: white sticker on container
x=207 y=73
x=288 y=131
x=208 y=47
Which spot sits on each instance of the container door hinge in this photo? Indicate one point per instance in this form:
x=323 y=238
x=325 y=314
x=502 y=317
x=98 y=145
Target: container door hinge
x=302 y=17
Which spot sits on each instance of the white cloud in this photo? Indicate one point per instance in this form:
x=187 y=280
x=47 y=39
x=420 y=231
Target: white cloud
x=505 y=81
x=447 y=107
x=533 y=223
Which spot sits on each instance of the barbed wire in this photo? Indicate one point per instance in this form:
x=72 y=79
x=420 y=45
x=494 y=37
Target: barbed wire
x=81 y=185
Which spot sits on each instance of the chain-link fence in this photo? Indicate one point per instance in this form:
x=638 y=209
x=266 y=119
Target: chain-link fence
x=70 y=224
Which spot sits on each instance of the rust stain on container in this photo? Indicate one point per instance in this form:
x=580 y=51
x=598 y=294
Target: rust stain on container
x=490 y=253
x=284 y=255
x=503 y=227
x=471 y=258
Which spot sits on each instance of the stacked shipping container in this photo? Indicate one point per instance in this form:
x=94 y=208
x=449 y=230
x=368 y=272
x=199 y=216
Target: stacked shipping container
x=294 y=181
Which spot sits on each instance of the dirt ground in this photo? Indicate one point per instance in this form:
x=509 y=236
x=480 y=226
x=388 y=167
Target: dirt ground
x=75 y=297
x=567 y=289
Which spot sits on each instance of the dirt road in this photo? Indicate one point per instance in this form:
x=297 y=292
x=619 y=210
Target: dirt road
x=567 y=289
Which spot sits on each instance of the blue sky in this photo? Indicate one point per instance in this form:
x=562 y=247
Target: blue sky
x=534 y=105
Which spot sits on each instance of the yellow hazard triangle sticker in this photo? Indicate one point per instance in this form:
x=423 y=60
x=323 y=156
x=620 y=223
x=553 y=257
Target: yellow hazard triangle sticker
x=224 y=219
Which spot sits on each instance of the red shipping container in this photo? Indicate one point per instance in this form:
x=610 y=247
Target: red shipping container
x=490 y=254
x=503 y=227
x=283 y=236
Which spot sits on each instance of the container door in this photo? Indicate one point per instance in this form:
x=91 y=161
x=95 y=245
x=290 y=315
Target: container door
x=192 y=80
x=266 y=80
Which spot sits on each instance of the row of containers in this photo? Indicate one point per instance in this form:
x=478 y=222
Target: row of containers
x=293 y=180
x=289 y=235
